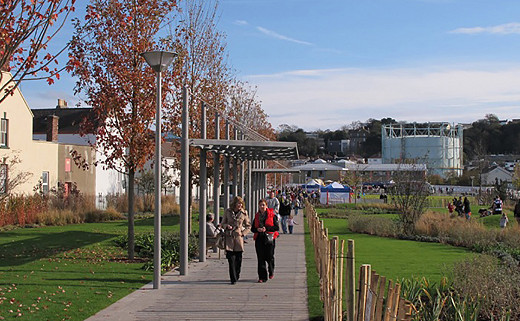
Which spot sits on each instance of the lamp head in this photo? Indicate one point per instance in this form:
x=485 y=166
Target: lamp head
x=159 y=60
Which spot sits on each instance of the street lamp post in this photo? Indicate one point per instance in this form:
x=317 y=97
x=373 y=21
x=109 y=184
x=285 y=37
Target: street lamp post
x=159 y=61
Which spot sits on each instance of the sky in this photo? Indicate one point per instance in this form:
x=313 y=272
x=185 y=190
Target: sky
x=326 y=64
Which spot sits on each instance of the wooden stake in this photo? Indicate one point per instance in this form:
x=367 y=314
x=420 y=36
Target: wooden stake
x=340 y=279
x=373 y=289
x=380 y=299
x=350 y=292
x=389 y=301
x=364 y=281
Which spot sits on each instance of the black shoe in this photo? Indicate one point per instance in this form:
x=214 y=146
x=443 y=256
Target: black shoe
x=232 y=282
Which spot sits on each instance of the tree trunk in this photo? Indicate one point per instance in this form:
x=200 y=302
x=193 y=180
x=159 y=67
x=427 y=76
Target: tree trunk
x=131 y=233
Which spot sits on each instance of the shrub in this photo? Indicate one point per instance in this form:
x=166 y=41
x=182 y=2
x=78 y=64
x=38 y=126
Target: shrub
x=473 y=235
x=20 y=210
x=433 y=302
x=373 y=225
x=170 y=248
x=110 y=214
x=376 y=208
x=118 y=201
x=493 y=284
x=143 y=204
x=169 y=206
x=58 y=217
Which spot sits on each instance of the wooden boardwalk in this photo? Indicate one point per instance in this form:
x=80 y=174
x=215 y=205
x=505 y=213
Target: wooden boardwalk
x=206 y=293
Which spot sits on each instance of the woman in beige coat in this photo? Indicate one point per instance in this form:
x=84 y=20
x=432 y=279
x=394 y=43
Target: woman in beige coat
x=236 y=224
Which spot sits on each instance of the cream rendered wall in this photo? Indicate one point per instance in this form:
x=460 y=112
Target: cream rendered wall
x=35 y=157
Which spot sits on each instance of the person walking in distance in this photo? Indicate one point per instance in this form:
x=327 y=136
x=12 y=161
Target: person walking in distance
x=296 y=204
x=497 y=205
x=285 y=212
x=503 y=220
x=467 y=209
x=516 y=212
x=265 y=228
x=274 y=204
x=236 y=224
x=290 y=224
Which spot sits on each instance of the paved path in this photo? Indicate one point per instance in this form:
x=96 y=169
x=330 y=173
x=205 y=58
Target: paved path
x=206 y=293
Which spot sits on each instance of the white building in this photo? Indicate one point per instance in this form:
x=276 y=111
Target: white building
x=439 y=145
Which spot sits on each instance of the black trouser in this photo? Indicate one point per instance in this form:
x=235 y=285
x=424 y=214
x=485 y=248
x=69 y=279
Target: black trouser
x=265 y=255
x=235 y=264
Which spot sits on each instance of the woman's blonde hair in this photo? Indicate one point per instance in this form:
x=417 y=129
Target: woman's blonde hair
x=237 y=200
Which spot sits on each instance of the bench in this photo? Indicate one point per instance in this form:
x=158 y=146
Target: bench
x=211 y=243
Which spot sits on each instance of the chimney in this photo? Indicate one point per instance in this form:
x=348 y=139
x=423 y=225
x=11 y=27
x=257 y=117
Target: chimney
x=62 y=103
x=52 y=128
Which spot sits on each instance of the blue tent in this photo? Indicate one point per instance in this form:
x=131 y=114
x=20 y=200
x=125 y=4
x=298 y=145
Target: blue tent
x=335 y=193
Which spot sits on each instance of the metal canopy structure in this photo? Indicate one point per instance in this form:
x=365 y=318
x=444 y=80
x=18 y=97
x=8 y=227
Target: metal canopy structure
x=236 y=155
x=276 y=170
x=248 y=149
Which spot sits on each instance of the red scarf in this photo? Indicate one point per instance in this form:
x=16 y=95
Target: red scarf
x=269 y=221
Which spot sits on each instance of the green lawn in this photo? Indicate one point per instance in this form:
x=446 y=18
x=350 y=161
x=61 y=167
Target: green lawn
x=398 y=258
x=68 y=272
x=392 y=258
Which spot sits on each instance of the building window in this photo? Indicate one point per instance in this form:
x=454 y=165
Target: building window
x=45 y=182
x=4 y=126
x=3 y=178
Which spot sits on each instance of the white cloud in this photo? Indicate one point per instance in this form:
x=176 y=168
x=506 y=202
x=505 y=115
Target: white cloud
x=273 y=34
x=331 y=98
x=504 y=29
x=241 y=22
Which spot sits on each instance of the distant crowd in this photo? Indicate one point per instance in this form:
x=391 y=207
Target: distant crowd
x=462 y=208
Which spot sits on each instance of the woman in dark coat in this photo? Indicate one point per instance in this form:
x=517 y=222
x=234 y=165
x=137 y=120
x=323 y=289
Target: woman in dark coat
x=265 y=229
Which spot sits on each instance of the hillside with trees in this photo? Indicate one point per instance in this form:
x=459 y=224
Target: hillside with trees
x=490 y=136
x=483 y=137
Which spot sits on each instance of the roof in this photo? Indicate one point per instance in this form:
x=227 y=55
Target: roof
x=385 y=167
x=68 y=123
x=275 y=170
x=362 y=167
x=248 y=149
x=496 y=169
x=6 y=76
x=318 y=167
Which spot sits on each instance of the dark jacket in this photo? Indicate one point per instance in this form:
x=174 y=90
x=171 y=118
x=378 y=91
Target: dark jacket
x=269 y=221
x=517 y=209
x=285 y=208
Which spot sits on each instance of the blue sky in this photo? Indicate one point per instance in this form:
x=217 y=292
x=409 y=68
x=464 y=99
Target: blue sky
x=325 y=64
